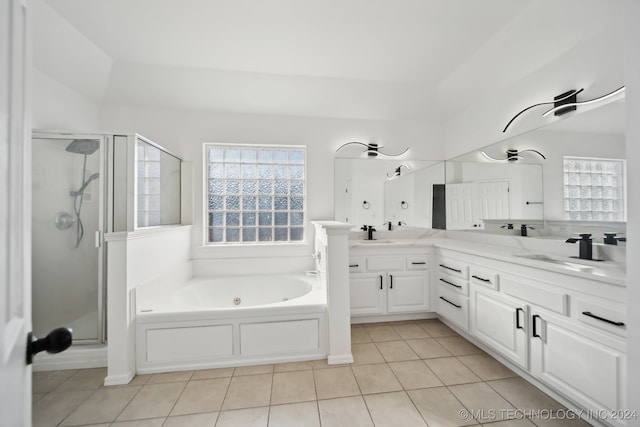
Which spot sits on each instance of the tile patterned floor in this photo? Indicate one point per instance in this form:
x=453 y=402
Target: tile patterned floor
x=416 y=373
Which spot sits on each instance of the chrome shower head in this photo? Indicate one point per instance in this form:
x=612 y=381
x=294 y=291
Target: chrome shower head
x=83 y=146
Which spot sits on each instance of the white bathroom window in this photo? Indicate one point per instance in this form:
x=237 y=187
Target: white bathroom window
x=255 y=194
x=594 y=189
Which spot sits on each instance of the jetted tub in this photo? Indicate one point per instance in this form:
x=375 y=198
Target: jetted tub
x=231 y=321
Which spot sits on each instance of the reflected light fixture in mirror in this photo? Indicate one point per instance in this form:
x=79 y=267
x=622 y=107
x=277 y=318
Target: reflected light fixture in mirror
x=372 y=149
x=513 y=155
x=397 y=172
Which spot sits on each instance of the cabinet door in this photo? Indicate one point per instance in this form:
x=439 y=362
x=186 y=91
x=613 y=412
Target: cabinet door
x=368 y=293
x=500 y=322
x=408 y=291
x=586 y=365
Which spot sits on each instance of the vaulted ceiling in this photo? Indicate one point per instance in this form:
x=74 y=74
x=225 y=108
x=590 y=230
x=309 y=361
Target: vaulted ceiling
x=369 y=59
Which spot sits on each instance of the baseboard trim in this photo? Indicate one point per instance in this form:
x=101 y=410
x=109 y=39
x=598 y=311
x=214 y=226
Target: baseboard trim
x=340 y=359
x=119 y=379
x=77 y=357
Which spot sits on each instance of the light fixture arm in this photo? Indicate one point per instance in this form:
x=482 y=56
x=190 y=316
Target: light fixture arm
x=372 y=149
x=569 y=94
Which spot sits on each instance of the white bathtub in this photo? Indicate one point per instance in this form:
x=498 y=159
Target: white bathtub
x=232 y=321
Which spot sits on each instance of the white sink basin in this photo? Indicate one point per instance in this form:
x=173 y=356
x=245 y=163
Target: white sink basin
x=546 y=258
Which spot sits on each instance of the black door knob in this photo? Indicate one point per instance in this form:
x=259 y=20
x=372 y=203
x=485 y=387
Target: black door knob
x=58 y=340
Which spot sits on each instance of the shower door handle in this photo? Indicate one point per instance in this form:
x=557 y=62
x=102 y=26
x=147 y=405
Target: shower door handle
x=98 y=240
x=58 y=340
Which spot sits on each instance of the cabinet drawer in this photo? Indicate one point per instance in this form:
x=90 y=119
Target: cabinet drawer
x=554 y=300
x=454 y=307
x=453 y=283
x=417 y=263
x=385 y=263
x=357 y=265
x=454 y=268
x=604 y=316
x=484 y=277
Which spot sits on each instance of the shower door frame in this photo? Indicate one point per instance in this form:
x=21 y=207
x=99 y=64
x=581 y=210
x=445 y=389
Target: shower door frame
x=105 y=176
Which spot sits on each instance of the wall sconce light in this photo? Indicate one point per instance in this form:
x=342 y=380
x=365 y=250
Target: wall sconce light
x=397 y=172
x=372 y=149
x=513 y=155
x=558 y=101
x=567 y=102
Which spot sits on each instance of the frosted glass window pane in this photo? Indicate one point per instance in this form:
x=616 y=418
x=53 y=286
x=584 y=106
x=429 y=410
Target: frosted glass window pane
x=216 y=171
x=281 y=218
x=249 y=234
x=596 y=192
x=152 y=169
x=297 y=203
x=297 y=188
x=264 y=235
x=607 y=192
x=232 y=170
x=248 y=155
x=280 y=156
x=280 y=172
x=249 y=171
x=249 y=203
x=297 y=234
x=597 y=216
x=216 y=203
x=265 y=187
x=265 y=218
x=280 y=203
x=574 y=205
x=585 y=205
x=265 y=156
x=233 y=234
x=573 y=179
x=596 y=179
x=216 y=218
x=265 y=203
x=233 y=187
x=233 y=203
x=297 y=218
x=216 y=186
x=281 y=187
x=249 y=187
x=265 y=171
x=248 y=218
x=296 y=157
x=232 y=155
x=574 y=191
x=281 y=234
x=596 y=205
x=585 y=192
x=297 y=172
x=216 y=154
x=233 y=218
x=585 y=179
x=215 y=234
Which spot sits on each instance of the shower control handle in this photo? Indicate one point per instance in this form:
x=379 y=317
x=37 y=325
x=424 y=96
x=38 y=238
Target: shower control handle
x=57 y=341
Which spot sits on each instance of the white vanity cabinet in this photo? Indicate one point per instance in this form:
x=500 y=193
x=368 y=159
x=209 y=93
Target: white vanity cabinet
x=584 y=364
x=453 y=291
x=389 y=284
x=566 y=331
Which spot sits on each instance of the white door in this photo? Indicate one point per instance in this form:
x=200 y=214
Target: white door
x=367 y=293
x=493 y=200
x=15 y=199
x=462 y=210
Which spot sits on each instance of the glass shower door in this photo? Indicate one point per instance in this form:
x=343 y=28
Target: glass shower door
x=67 y=221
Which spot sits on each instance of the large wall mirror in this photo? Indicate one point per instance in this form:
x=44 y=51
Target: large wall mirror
x=409 y=193
x=579 y=185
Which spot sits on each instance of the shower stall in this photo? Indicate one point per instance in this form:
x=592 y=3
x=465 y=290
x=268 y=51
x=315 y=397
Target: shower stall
x=68 y=224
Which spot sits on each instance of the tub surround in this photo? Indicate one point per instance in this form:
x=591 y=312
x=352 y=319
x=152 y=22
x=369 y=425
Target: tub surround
x=332 y=254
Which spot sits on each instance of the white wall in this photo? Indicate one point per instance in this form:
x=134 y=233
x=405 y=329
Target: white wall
x=632 y=81
x=184 y=132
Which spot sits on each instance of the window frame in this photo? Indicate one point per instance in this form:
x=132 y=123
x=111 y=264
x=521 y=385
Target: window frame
x=257 y=242
x=622 y=187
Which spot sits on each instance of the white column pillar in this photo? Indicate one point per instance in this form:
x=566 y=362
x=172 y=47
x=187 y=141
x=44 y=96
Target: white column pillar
x=332 y=245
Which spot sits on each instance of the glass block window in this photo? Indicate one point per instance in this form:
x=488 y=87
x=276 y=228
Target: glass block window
x=255 y=194
x=594 y=189
x=148 y=190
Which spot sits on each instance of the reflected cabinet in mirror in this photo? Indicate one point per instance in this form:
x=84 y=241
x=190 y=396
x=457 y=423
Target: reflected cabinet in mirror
x=379 y=192
x=563 y=178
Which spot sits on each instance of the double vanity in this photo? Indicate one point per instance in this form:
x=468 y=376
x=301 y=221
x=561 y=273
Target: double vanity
x=557 y=321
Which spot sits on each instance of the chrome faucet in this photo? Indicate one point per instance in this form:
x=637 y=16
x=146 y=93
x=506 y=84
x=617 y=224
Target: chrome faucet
x=586 y=245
